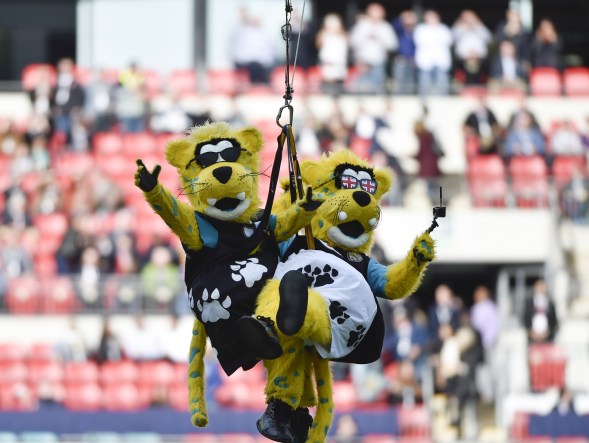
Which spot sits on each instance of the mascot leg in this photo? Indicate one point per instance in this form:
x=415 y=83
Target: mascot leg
x=196 y=375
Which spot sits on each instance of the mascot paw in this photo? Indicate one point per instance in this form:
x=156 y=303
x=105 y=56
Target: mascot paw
x=310 y=202
x=423 y=249
x=144 y=179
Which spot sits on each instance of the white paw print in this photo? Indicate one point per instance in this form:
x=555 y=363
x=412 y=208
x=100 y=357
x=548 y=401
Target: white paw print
x=213 y=310
x=249 y=270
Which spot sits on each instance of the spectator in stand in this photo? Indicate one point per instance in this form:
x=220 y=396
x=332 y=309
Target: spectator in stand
x=130 y=99
x=372 y=38
x=173 y=119
x=507 y=71
x=38 y=126
x=252 y=47
x=21 y=163
x=100 y=102
x=566 y=140
x=304 y=34
x=428 y=154
x=511 y=30
x=485 y=320
x=10 y=137
x=307 y=141
x=407 y=340
x=16 y=213
x=89 y=283
x=402 y=385
x=41 y=96
x=109 y=348
x=482 y=124
x=540 y=315
x=159 y=278
x=332 y=44
x=442 y=312
x=78 y=237
x=16 y=260
x=523 y=138
x=574 y=197
x=369 y=381
x=334 y=134
x=472 y=39
x=546 y=47
x=40 y=153
x=433 y=40
x=141 y=343
x=404 y=70
x=346 y=430
x=70 y=345
x=67 y=98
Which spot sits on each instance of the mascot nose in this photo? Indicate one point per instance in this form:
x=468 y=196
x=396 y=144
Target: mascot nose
x=223 y=174
x=361 y=197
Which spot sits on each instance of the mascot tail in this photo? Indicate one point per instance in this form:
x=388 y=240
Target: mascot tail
x=324 y=412
x=196 y=374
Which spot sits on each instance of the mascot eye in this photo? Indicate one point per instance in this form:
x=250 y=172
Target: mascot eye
x=210 y=158
x=351 y=182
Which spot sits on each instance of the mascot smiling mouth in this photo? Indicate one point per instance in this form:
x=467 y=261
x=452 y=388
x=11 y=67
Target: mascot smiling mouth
x=350 y=234
x=227 y=208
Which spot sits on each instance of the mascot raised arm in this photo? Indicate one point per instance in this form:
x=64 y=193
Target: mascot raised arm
x=326 y=296
x=229 y=254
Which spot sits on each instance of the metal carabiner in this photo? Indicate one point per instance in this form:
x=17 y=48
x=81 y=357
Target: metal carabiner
x=290 y=115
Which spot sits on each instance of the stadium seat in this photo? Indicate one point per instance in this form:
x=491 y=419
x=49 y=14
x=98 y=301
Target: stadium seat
x=45 y=265
x=123 y=396
x=564 y=166
x=576 y=81
x=138 y=145
x=13 y=372
x=487 y=181
x=529 y=181
x=277 y=80
x=107 y=143
x=17 y=396
x=51 y=226
x=182 y=82
x=226 y=81
x=178 y=396
x=314 y=79
x=32 y=74
x=83 y=396
x=12 y=352
x=547 y=366
x=152 y=82
x=119 y=371
x=57 y=295
x=72 y=163
x=22 y=295
x=41 y=352
x=414 y=422
x=180 y=372
x=156 y=372
x=46 y=370
x=545 y=82
x=344 y=395
x=81 y=372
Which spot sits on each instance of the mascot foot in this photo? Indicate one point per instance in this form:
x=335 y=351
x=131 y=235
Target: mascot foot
x=300 y=424
x=294 y=297
x=259 y=337
x=275 y=422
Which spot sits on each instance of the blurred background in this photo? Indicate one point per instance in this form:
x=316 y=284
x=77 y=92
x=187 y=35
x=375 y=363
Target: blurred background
x=488 y=99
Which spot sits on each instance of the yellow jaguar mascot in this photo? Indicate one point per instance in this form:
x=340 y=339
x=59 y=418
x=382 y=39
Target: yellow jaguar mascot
x=327 y=296
x=230 y=254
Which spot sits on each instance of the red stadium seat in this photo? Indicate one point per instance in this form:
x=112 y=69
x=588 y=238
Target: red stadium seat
x=360 y=146
x=57 y=295
x=182 y=82
x=529 y=181
x=152 y=82
x=178 y=396
x=520 y=426
x=576 y=81
x=547 y=364
x=123 y=396
x=314 y=79
x=564 y=167
x=81 y=372
x=119 y=371
x=33 y=73
x=545 y=82
x=227 y=81
x=46 y=371
x=41 y=353
x=344 y=395
x=156 y=372
x=277 y=80
x=414 y=422
x=12 y=352
x=22 y=295
x=17 y=397
x=107 y=143
x=180 y=372
x=45 y=265
x=52 y=229
x=487 y=181
x=72 y=163
x=83 y=396
x=138 y=145
x=13 y=372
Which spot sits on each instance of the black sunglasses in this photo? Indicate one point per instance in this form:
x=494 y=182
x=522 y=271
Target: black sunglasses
x=210 y=158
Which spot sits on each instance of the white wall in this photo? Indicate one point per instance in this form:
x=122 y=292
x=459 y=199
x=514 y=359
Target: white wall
x=157 y=34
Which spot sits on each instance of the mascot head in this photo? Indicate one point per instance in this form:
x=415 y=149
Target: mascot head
x=219 y=169
x=352 y=191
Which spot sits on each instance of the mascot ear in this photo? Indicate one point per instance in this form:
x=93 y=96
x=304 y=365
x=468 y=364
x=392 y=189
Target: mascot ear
x=250 y=139
x=384 y=178
x=179 y=153
x=313 y=172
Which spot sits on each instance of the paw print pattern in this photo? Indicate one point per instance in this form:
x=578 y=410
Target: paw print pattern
x=356 y=335
x=338 y=312
x=211 y=309
x=250 y=271
x=318 y=277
